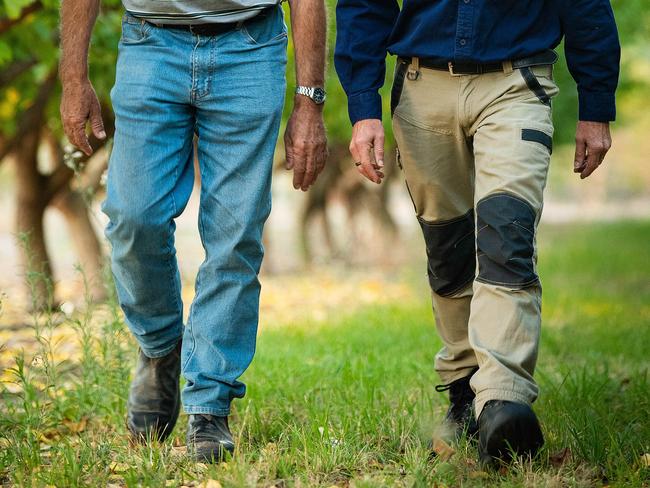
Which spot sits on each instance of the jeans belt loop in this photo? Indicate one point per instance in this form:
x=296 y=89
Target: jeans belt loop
x=507 y=67
x=414 y=69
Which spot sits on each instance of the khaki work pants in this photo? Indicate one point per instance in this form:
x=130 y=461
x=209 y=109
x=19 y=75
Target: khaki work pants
x=475 y=151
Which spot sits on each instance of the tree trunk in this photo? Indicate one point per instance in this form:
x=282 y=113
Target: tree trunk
x=30 y=207
x=87 y=247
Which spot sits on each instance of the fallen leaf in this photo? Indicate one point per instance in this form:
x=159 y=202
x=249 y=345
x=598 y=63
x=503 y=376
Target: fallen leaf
x=76 y=427
x=442 y=449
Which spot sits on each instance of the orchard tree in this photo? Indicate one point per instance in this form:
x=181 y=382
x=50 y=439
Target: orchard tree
x=31 y=137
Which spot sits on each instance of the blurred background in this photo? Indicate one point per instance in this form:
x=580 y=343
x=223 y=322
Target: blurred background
x=344 y=230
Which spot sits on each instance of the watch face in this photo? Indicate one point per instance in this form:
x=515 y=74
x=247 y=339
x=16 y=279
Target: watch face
x=319 y=95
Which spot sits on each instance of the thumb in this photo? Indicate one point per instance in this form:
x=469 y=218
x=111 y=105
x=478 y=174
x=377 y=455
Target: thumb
x=96 y=122
x=580 y=155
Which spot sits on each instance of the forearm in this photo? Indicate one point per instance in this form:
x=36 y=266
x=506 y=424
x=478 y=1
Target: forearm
x=309 y=27
x=77 y=22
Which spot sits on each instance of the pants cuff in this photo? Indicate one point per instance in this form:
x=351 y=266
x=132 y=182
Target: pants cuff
x=450 y=376
x=159 y=353
x=217 y=412
x=493 y=394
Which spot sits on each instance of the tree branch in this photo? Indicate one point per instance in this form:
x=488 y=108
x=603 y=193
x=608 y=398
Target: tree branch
x=14 y=70
x=6 y=23
x=31 y=118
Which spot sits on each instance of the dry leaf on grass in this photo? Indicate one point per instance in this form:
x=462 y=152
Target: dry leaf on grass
x=76 y=427
x=443 y=450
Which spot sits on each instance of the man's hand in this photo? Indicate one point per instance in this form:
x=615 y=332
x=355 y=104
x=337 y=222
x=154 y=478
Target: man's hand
x=592 y=143
x=367 y=148
x=304 y=139
x=305 y=142
x=79 y=105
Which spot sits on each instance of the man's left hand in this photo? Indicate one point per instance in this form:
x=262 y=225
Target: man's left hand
x=592 y=143
x=305 y=142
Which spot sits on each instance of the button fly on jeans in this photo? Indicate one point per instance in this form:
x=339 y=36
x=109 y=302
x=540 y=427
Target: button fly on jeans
x=202 y=66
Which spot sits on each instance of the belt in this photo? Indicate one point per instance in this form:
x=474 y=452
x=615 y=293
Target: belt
x=211 y=29
x=202 y=29
x=466 y=68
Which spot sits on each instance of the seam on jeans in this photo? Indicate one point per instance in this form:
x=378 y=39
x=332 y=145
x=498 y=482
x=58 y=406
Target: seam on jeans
x=219 y=412
x=170 y=252
x=193 y=70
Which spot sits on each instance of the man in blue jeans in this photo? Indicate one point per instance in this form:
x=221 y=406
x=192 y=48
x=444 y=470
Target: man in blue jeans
x=471 y=107
x=215 y=70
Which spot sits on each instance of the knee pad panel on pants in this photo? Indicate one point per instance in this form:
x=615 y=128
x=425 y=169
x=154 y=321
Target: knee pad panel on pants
x=450 y=253
x=506 y=241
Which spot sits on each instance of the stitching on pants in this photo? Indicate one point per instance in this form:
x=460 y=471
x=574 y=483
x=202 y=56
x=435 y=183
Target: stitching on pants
x=419 y=125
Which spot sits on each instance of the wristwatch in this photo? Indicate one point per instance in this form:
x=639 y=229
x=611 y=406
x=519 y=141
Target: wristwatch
x=316 y=93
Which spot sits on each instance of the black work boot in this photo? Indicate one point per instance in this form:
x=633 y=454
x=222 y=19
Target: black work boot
x=209 y=438
x=154 y=397
x=506 y=428
x=460 y=415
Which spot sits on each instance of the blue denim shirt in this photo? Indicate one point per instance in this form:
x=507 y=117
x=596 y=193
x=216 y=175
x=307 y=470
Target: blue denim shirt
x=480 y=31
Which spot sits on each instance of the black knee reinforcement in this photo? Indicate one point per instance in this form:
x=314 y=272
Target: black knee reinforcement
x=506 y=241
x=450 y=253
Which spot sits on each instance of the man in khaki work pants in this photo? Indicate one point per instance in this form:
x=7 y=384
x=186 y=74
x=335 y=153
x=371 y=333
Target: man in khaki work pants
x=471 y=111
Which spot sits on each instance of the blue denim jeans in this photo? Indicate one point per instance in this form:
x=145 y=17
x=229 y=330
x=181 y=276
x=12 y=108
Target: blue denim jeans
x=228 y=90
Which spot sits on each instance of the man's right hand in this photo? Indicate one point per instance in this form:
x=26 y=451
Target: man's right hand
x=367 y=148
x=79 y=106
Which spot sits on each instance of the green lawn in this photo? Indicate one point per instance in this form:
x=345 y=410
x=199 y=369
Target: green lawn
x=351 y=402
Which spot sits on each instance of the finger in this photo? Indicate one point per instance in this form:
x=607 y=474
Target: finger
x=593 y=160
x=580 y=156
x=79 y=139
x=379 y=150
x=368 y=165
x=354 y=151
x=96 y=122
x=298 y=168
x=288 y=151
x=310 y=170
x=321 y=160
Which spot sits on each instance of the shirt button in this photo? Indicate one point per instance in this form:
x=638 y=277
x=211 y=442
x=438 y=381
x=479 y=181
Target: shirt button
x=463 y=42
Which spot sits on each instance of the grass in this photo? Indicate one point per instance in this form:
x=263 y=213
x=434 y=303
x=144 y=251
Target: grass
x=351 y=402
